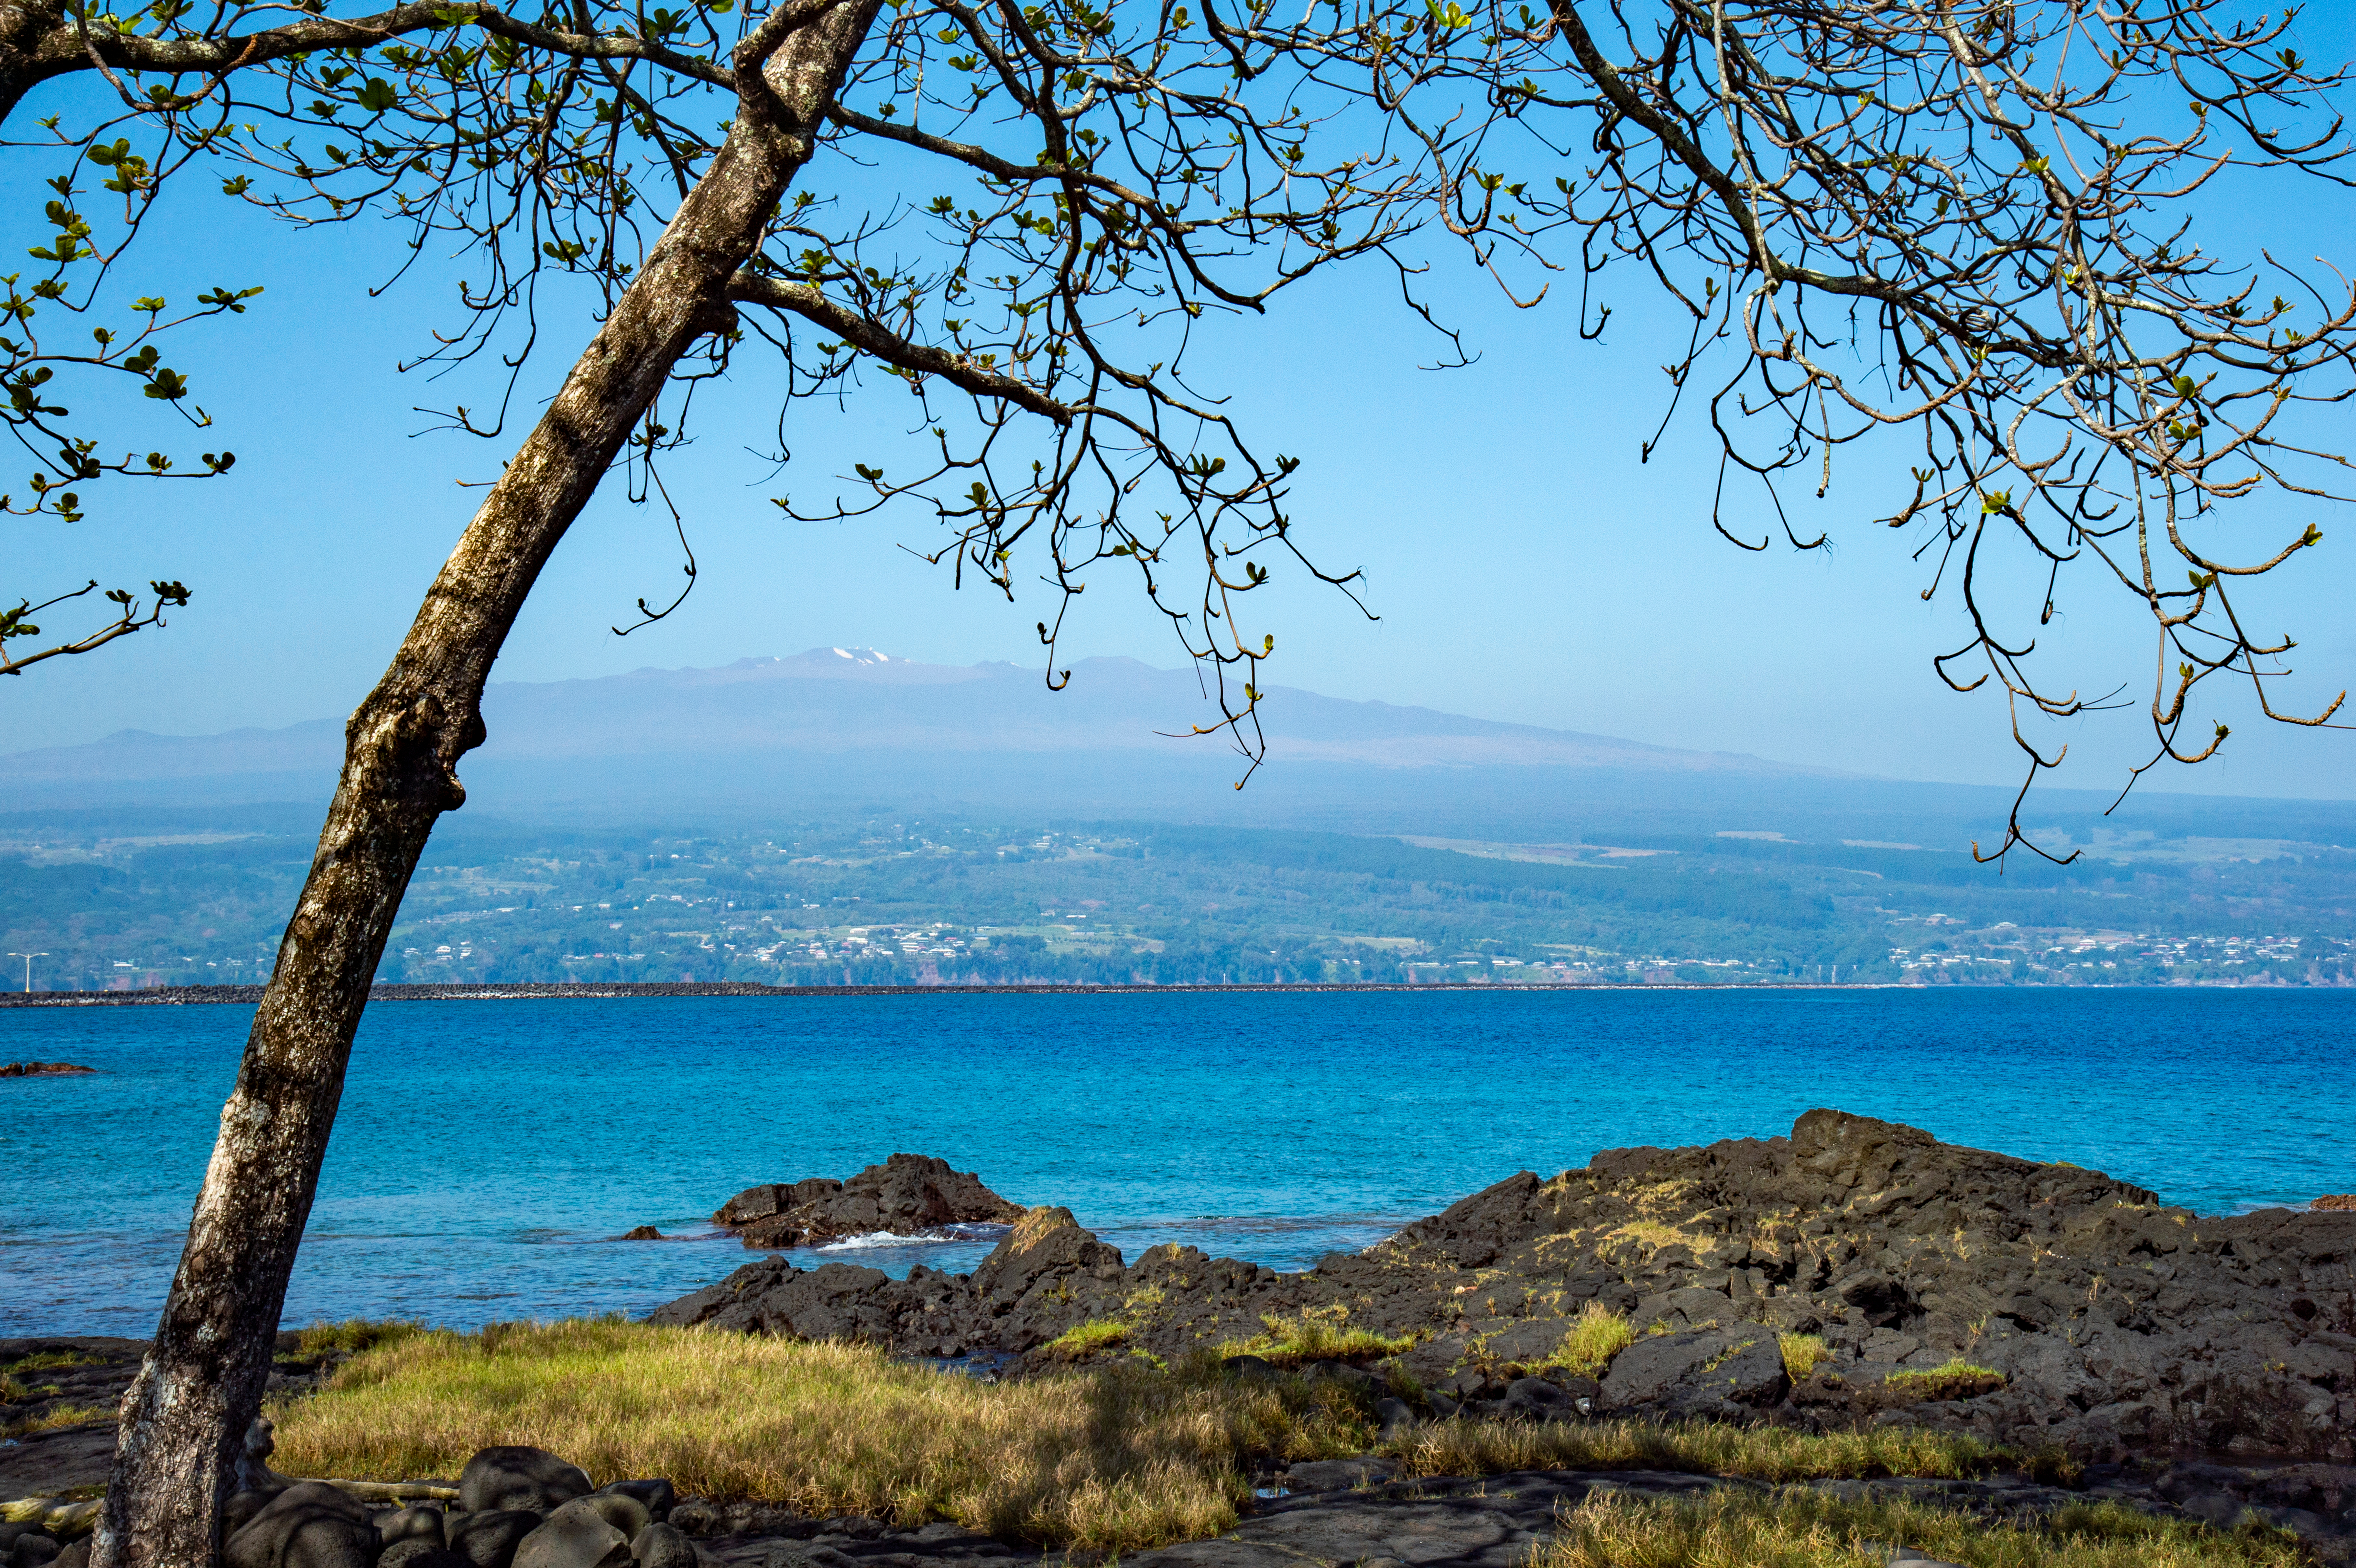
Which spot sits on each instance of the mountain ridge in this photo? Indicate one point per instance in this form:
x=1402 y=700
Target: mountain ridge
x=779 y=704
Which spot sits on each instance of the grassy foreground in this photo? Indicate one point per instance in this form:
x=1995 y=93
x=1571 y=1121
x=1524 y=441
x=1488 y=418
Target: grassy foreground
x=1112 y=1455
x=1804 y=1530
x=1117 y=1457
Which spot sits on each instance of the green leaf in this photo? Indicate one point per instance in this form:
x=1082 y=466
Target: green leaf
x=377 y=95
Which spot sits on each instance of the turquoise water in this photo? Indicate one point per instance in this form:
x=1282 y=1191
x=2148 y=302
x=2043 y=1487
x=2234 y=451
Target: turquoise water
x=487 y=1151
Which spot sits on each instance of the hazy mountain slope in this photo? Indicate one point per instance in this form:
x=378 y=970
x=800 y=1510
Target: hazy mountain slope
x=832 y=734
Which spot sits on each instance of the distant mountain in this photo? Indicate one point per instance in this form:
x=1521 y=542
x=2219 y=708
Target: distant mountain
x=850 y=731
x=832 y=701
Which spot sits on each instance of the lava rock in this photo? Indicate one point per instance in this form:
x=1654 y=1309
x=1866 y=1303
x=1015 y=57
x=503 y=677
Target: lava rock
x=311 y=1525
x=417 y=1553
x=623 y=1511
x=517 y=1477
x=2121 y=1325
x=410 y=1524
x=906 y=1195
x=656 y=1494
x=660 y=1546
x=490 y=1539
x=1535 y=1399
x=576 y=1535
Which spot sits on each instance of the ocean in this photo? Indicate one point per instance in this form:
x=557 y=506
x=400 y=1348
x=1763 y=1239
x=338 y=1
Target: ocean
x=487 y=1153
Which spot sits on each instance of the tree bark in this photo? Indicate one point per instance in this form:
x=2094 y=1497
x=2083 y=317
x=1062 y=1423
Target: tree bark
x=185 y=1418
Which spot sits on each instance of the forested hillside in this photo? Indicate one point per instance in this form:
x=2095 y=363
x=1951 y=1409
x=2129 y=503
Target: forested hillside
x=154 y=899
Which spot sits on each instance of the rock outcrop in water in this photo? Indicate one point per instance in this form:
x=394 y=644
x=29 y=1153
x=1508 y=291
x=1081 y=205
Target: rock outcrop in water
x=907 y=1195
x=2108 y=1322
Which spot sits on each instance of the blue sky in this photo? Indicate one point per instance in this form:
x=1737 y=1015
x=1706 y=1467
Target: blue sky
x=1525 y=566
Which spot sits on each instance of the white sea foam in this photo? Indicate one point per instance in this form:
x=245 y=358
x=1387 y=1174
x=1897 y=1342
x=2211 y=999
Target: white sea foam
x=868 y=1240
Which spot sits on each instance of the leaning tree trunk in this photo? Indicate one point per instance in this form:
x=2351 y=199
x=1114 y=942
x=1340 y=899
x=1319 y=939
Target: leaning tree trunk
x=184 y=1420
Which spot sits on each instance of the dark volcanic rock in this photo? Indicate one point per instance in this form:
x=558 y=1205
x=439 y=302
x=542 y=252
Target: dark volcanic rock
x=2120 y=1325
x=308 y=1525
x=907 y=1195
x=516 y=1478
x=490 y=1539
x=575 y=1536
x=41 y=1069
x=98 y=1369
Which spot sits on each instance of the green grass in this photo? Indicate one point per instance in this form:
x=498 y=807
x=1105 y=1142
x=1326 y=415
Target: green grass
x=1706 y=1448
x=1316 y=1336
x=1099 y=1334
x=354 y=1335
x=14 y=1390
x=1596 y=1336
x=54 y=1418
x=1116 y=1456
x=1794 y=1529
x=46 y=1361
x=1802 y=1353
x=1959 y=1379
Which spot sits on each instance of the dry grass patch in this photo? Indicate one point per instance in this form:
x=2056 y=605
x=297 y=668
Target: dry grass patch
x=1801 y=1529
x=1114 y=1458
x=1706 y=1448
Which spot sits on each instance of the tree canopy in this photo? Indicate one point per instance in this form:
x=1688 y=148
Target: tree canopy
x=1958 y=237
x=1889 y=226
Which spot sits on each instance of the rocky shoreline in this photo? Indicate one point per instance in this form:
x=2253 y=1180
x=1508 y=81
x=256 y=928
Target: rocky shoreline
x=2037 y=1306
x=1853 y=1274
x=42 y=1069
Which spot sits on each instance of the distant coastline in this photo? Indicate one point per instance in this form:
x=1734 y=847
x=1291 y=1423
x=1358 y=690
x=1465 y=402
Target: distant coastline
x=590 y=990
x=202 y=995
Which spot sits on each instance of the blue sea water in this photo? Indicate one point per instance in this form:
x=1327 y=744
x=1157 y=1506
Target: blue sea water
x=487 y=1153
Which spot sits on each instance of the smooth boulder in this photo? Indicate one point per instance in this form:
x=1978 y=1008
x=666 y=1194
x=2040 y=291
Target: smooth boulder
x=656 y=1493
x=575 y=1536
x=312 y=1525
x=490 y=1539
x=418 y=1552
x=410 y=1524
x=663 y=1546
x=623 y=1511
x=517 y=1477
